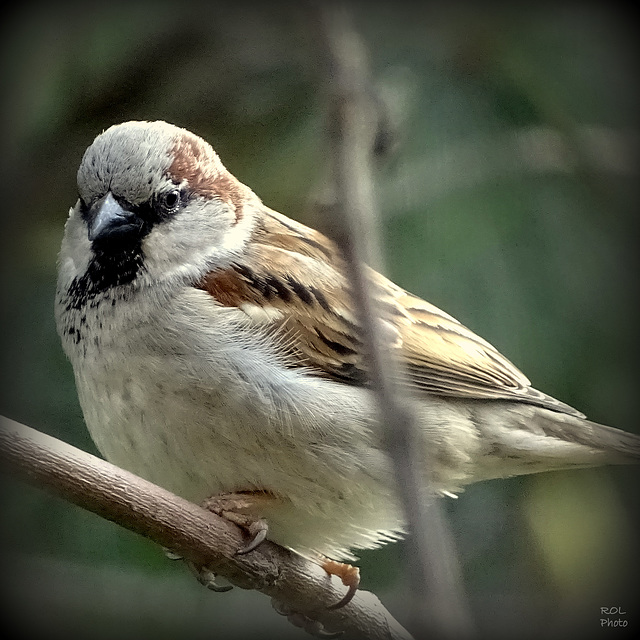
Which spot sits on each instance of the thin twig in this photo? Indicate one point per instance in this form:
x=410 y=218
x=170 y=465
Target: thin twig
x=196 y=534
x=438 y=604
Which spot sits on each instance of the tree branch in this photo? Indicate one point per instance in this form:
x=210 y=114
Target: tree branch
x=438 y=604
x=194 y=533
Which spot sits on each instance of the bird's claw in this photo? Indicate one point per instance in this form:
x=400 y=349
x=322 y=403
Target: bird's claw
x=350 y=577
x=207 y=578
x=171 y=555
x=297 y=619
x=237 y=507
x=258 y=529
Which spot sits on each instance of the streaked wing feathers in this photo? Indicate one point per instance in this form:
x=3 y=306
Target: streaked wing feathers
x=296 y=281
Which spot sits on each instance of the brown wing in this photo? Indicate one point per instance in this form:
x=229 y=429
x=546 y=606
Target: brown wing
x=443 y=357
x=295 y=276
x=296 y=290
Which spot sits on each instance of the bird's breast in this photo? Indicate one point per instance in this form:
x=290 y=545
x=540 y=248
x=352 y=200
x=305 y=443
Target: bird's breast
x=186 y=397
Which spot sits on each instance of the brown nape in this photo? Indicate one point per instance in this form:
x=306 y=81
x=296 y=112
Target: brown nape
x=195 y=162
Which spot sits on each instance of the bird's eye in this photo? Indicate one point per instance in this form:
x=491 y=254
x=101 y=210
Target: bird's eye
x=170 y=200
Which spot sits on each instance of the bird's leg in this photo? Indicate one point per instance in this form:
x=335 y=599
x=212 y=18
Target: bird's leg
x=242 y=508
x=350 y=577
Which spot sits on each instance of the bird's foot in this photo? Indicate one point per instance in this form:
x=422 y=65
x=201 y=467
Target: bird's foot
x=205 y=576
x=208 y=579
x=350 y=577
x=241 y=508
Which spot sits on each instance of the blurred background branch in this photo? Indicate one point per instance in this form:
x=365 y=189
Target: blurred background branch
x=438 y=608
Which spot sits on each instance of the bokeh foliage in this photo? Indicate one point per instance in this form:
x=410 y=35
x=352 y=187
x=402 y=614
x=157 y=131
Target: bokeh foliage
x=508 y=199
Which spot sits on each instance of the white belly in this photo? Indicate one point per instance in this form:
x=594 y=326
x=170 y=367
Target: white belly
x=200 y=432
x=187 y=397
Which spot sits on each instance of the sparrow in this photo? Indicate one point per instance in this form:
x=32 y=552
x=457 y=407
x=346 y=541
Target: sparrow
x=217 y=353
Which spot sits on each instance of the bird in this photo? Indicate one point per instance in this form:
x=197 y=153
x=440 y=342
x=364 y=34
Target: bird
x=217 y=353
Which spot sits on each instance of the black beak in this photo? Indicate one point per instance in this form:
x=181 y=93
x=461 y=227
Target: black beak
x=107 y=219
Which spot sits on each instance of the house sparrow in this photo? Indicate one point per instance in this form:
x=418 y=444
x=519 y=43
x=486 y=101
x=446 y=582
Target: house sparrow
x=216 y=353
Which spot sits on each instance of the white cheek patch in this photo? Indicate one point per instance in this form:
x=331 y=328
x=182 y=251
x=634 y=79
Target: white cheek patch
x=261 y=315
x=189 y=241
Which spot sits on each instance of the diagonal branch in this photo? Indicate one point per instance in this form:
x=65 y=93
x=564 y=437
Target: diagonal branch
x=197 y=535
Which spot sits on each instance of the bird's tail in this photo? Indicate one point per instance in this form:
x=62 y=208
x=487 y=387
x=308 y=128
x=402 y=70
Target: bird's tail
x=620 y=446
x=528 y=439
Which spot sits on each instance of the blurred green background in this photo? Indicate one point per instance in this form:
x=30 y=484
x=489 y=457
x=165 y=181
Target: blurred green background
x=509 y=200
